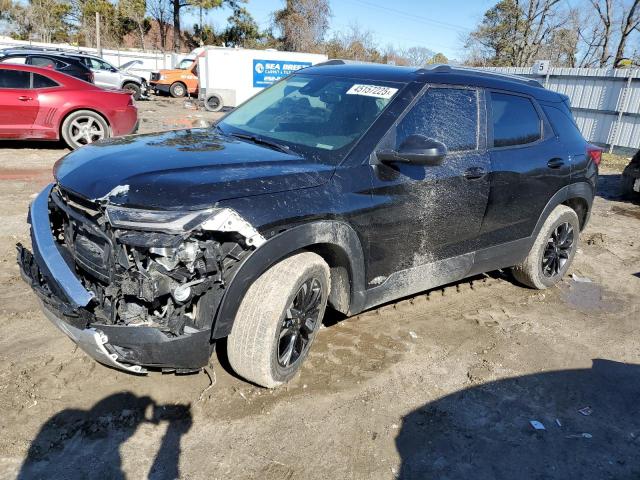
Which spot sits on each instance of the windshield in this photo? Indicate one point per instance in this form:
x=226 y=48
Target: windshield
x=312 y=112
x=185 y=63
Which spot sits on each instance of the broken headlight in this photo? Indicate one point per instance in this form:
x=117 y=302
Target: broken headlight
x=166 y=221
x=214 y=219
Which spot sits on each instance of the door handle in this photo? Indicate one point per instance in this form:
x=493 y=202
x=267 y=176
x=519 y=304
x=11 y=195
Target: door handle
x=474 y=173
x=555 y=163
x=24 y=98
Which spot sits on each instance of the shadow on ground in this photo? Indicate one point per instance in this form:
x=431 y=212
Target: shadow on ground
x=31 y=144
x=484 y=432
x=86 y=443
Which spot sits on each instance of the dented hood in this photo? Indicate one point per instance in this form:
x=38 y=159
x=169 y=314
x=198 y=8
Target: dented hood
x=184 y=169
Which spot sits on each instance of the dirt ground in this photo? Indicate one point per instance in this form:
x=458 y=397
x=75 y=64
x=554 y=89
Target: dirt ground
x=441 y=385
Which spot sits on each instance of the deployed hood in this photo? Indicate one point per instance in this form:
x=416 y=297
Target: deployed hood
x=184 y=169
x=127 y=66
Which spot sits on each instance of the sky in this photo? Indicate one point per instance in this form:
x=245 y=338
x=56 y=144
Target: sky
x=435 y=24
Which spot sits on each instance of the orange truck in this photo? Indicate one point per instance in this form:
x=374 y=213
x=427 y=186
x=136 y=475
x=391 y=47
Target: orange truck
x=179 y=81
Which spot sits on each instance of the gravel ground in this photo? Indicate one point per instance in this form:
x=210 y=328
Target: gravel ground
x=441 y=385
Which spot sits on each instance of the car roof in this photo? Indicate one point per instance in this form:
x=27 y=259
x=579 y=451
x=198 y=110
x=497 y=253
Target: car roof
x=41 y=53
x=444 y=74
x=67 y=80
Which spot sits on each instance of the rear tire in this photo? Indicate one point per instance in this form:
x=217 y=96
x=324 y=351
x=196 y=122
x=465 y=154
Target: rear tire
x=133 y=88
x=84 y=127
x=178 y=90
x=627 y=188
x=290 y=297
x=552 y=252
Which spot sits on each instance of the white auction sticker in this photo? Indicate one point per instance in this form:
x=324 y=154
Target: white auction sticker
x=372 y=91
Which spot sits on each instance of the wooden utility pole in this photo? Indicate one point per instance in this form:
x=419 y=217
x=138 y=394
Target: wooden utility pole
x=98 y=47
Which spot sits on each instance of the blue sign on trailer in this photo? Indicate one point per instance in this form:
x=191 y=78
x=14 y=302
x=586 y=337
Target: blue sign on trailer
x=266 y=72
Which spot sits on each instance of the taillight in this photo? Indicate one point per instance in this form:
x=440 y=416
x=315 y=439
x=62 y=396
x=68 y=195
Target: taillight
x=595 y=153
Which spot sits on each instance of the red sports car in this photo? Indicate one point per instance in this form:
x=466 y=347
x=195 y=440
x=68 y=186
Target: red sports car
x=42 y=104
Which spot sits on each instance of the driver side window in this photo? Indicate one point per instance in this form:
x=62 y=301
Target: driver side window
x=449 y=115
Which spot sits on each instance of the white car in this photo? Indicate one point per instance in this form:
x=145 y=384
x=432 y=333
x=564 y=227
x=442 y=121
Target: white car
x=108 y=76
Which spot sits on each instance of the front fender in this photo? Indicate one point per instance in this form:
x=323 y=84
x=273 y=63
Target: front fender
x=336 y=234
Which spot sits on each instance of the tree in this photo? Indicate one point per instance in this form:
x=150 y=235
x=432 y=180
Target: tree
x=418 y=56
x=44 y=20
x=438 y=58
x=242 y=29
x=178 y=5
x=84 y=12
x=630 y=22
x=354 y=44
x=159 y=10
x=303 y=24
x=514 y=32
x=135 y=10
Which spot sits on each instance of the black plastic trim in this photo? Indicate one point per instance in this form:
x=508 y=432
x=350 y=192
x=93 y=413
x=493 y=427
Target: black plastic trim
x=336 y=233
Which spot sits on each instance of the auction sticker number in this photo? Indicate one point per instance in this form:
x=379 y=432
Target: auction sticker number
x=372 y=91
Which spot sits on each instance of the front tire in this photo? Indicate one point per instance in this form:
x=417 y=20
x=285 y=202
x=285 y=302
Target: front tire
x=178 y=90
x=84 y=127
x=133 y=88
x=278 y=320
x=552 y=252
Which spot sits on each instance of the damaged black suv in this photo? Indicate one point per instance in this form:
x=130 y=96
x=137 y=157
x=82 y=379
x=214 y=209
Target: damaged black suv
x=347 y=185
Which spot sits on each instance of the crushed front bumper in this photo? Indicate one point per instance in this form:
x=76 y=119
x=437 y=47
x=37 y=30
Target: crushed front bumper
x=68 y=305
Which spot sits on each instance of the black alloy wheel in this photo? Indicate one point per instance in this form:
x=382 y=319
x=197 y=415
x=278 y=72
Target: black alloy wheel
x=558 y=250
x=299 y=323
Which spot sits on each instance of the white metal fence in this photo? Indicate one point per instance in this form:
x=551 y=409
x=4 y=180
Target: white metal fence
x=605 y=102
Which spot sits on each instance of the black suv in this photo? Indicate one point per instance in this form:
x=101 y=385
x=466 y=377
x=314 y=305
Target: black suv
x=48 y=59
x=347 y=185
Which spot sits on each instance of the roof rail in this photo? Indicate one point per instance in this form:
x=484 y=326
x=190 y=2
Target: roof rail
x=436 y=67
x=441 y=68
x=342 y=61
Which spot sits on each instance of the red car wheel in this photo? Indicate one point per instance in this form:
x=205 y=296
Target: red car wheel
x=84 y=127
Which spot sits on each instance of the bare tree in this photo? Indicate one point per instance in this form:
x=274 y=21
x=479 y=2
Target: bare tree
x=418 y=56
x=515 y=32
x=630 y=21
x=160 y=12
x=604 y=10
x=303 y=24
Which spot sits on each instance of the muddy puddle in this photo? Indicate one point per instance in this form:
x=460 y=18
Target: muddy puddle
x=588 y=297
x=626 y=212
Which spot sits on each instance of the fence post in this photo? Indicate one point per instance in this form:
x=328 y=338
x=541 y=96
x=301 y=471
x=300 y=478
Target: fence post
x=622 y=106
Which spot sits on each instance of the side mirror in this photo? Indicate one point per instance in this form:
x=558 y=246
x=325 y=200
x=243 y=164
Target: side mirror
x=416 y=149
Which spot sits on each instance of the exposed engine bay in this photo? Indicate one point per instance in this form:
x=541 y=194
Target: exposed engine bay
x=151 y=275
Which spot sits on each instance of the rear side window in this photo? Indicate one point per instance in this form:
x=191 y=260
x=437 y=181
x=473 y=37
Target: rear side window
x=16 y=60
x=515 y=120
x=40 y=81
x=14 y=79
x=43 y=62
x=563 y=124
x=449 y=115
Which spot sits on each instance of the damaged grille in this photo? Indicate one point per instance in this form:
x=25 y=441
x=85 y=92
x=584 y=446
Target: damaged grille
x=89 y=246
x=171 y=281
x=155 y=76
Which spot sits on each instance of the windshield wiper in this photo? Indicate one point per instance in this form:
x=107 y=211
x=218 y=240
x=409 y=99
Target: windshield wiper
x=262 y=141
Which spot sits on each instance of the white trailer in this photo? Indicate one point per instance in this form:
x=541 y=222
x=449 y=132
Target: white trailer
x=229 y=76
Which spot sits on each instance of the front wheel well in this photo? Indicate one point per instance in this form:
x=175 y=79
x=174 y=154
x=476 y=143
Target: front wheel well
x=581 y=207
x=339 y=267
